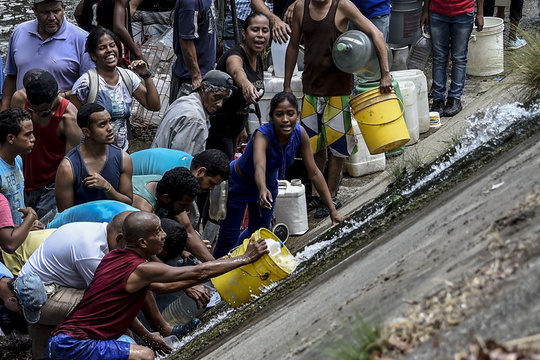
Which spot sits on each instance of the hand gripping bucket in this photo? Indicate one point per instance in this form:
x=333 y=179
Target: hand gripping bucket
x=240 y=286
x=380 y=119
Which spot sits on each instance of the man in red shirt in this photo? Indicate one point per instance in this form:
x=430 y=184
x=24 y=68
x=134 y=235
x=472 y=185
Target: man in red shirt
x=56 y=132
x=117 y=292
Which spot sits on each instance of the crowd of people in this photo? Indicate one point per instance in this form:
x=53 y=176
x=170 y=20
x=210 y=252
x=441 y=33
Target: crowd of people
x=65 y=161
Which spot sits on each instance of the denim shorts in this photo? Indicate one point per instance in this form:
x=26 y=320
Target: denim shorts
x=63 y=346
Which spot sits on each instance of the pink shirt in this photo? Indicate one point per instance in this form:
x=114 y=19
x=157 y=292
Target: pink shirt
x=451 y=7
x=5 y=213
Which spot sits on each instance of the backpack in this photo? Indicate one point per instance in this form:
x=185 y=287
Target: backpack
x=93 y=83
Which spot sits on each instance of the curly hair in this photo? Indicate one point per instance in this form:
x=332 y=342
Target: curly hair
x=11 y=122
x=215 y=161
x=177 y=183
x=176 y=238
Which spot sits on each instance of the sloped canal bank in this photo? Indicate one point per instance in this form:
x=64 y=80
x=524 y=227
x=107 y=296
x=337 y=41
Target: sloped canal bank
x=403 y=245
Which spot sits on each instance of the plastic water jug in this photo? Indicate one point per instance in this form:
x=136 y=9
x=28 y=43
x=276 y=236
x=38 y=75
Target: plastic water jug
x=420 y=51
x=354 y=52
x=184 y=309
x=291 y=208
x=218 y=201
x=278 y=59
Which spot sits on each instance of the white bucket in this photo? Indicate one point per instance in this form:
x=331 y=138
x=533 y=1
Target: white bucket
x=420 y=81
x=410 y=96
x=486 y=49
x=291 y=207
x=362 y=162
x=278 y=58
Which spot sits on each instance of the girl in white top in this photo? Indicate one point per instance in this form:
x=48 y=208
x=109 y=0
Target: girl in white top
x=113 y=92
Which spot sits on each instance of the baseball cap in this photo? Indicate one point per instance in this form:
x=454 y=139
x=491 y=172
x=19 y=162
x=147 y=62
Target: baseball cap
x=31 y=294
x=41 y=87
x=219 y=78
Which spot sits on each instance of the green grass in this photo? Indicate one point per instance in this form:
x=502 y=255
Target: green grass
x=526 y=65
x=360 y=341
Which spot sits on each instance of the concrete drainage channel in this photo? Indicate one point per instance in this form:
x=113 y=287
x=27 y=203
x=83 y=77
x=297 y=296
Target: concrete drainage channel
x=400 y=200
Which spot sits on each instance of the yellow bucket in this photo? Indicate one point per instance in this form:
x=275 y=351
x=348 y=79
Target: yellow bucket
x=380 y=119
x=240 y=286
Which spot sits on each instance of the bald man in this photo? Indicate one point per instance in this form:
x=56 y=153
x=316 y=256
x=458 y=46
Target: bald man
x=120 y=285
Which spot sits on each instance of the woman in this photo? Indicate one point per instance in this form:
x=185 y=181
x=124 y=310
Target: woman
x=254 y=176
x=113 y=87
x=244 y=64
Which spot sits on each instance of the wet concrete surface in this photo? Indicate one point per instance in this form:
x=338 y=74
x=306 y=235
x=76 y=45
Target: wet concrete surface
x=443 y=242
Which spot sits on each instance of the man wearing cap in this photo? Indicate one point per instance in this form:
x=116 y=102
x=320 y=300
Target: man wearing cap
x=9 y=318
x=185 y=124
x=95 y=169
x=48 y=42
x=56 y=132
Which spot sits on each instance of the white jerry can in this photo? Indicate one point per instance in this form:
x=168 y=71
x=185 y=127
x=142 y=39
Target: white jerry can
x=291 y=208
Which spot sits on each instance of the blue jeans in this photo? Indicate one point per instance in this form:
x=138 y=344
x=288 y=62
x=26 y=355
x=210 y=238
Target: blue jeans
x=381 y=22
x=450 y=33
x=228 y=32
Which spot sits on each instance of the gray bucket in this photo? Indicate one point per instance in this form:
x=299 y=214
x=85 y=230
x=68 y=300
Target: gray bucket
x=405 y=22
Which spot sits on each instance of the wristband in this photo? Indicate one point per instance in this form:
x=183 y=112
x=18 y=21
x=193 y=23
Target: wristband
x=109 y=189
x=148 y=75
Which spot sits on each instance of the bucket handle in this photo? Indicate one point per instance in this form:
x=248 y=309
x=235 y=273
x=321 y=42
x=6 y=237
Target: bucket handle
x=401 y=106
x=263 y=277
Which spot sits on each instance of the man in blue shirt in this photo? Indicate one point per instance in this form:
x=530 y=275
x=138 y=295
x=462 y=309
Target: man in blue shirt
x=49 y=43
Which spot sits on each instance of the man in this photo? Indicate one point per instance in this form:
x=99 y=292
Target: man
x=66 y=265
x=56 y=132
x=10 y=317
x=208 y=164
x=210 y=168
x=120 y=285
x=451 y=24
x=194 y=41
x=48 y=42
x=94 y=170
x=185 y=123
x=325 y=114
x=16 y=138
